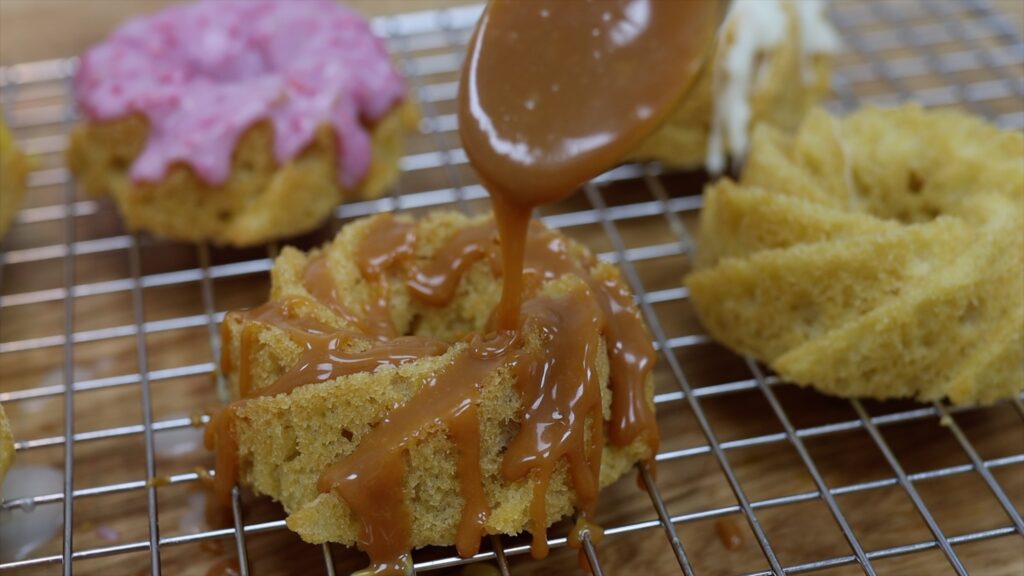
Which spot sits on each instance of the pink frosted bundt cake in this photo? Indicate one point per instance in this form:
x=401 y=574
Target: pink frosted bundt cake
x=238 y=122
x=880 y=255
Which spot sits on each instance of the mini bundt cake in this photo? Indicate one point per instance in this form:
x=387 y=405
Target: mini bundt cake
x=238 y=122
x=880 y=256
x=13 y=171
x=373 y=360
x=771 y=65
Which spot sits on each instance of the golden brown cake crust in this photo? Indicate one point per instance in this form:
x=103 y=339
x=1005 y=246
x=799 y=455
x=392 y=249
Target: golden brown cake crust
x=260 y=201
x=13 y=171
x=287 y=441
x=876 y=256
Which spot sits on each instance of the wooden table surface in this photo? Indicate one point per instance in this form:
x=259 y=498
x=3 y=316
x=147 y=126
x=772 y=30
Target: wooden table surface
x=878 y=510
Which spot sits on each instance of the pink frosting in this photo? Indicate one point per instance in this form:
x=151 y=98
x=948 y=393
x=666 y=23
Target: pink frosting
x=203 y=73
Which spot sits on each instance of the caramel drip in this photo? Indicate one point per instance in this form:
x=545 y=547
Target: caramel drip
x=546 y=257
x=435 y=281
x=330 y=353
x=245 y=351
x=220 y=437
x=560 y=391
x=386 y=243
x=632 y=356
x=318 y=281
x=729 y=533
x=370 y=479
x=575 y=540
x=561 y=394
x=327 y=354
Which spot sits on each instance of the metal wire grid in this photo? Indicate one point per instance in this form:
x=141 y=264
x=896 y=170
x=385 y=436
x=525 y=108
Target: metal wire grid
x=991 y=43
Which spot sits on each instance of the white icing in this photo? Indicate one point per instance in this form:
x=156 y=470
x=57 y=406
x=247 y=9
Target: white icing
x=757 y=28
x=817 y=36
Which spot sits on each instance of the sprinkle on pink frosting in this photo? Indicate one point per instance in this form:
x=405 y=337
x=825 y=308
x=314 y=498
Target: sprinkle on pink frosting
x=203 y=73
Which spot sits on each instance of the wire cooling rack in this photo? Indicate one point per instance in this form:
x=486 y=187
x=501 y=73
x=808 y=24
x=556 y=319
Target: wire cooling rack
x=108 y=341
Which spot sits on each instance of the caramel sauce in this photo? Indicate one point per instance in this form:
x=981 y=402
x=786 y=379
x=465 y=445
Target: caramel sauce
x=370 y=479
x=328 y=353
x=556 y=381
x=546 y=257
x=561 y=394
x=582 y=526
x=386 y=243
x=729 y=533
x=575 y=540
x=435 y=282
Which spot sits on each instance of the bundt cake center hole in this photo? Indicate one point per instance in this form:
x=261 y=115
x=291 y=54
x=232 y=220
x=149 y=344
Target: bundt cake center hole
x=915 y=183
x=907 y=199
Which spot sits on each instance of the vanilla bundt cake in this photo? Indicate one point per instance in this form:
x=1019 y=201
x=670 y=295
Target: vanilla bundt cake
x=238 y=122
x=378 y=408
x=771 y=65
x=880 y=255
x=13 y=170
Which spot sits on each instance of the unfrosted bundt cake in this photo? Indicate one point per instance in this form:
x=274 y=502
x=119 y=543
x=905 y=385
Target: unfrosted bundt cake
x=880 y=255
x=13 y=171
x=373 y=399
x=238 y=122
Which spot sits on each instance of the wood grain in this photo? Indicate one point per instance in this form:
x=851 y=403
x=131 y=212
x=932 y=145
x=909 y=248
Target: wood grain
x=691 y=484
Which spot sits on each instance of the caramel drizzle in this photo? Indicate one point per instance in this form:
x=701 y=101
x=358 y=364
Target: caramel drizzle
x=388 y=242
x=546 y=257
x=435 y=281
x=328 y=353
x=557 y=384
x=556 y=380
x=369 y=479
x=561 y=392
